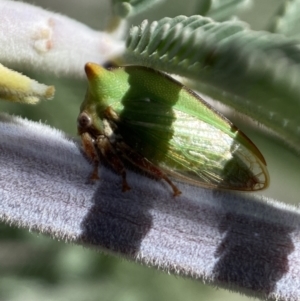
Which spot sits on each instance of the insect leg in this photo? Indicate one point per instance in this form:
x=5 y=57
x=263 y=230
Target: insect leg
x=143 y=163
x=108 y=152
x=91 y=152
x=111 y=114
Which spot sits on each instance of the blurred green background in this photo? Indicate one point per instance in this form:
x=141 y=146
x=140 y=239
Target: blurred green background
x=34 y=267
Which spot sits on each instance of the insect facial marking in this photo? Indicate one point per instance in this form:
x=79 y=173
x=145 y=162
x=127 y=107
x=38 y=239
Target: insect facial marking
x=84 y=121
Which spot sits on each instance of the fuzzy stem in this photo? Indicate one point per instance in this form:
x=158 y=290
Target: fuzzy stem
x=238 y=241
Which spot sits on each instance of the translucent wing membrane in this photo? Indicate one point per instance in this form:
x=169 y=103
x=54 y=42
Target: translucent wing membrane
x=188 y=148
x=207 y=156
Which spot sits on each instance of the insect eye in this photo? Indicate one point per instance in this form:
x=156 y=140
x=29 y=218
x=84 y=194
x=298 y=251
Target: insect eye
x=84 y=120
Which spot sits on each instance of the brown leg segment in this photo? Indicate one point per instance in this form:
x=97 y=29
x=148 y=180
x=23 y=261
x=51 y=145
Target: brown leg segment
x=111 y=114
x=91 y=152
x=113 y=159
x=143 y=163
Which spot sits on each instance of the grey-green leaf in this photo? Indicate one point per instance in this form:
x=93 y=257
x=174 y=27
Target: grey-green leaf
x=128 y=8
x=288 y=20
x=203 y=7
x=225 y=9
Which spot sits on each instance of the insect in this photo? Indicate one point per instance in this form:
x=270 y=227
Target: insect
x=142 y=116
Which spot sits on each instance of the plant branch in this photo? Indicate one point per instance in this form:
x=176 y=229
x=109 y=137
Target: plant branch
x=234 y=240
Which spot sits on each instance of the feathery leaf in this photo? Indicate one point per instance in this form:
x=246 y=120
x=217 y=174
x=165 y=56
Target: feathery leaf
x=255 y=72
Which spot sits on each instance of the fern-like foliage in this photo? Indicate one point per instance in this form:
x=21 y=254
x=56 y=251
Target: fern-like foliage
x=255 y=72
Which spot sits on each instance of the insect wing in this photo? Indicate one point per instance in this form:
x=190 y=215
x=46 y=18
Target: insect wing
x=209 y=154
x=210 y=157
